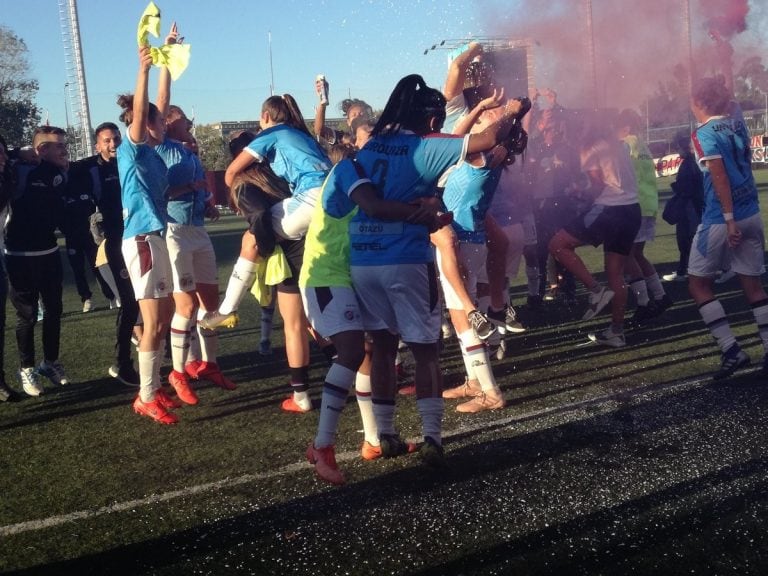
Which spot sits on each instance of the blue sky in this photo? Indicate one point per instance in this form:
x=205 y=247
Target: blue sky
x=362 y=47
x=365 y=46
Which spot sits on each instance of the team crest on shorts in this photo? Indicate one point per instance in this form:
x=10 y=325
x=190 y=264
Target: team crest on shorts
x=161 y=286
x=124 y=274
x=349 y=315
x=186 y=282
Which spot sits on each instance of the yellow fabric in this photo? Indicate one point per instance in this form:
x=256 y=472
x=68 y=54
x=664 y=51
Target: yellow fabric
x=270 y=272
x=101 y=255
x=174 y=56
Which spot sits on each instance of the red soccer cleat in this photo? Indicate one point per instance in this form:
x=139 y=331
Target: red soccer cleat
x=154 y=410
x=184 y=391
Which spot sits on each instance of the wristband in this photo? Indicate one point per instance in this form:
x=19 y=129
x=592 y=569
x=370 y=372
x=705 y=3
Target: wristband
x=728 y=216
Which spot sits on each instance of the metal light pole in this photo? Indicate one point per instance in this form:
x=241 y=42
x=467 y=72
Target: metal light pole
x=66 y=106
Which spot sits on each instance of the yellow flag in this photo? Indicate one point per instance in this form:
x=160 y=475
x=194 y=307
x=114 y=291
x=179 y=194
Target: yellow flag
x=174 y=56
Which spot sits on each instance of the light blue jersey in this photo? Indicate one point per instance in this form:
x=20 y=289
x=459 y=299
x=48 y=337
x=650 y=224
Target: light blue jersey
x=293 y=156
x=143 y=184
x=727 y=138
x=183 y=169
x=468 y=193
x=404 y=167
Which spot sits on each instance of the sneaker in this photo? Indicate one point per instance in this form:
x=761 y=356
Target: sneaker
x=550 y=294
x=125 y=374
x=733 y=359
x=392 y=445
x=608 y=338
x=480 y=324
x=506 y=320
x=154 y=410
x=54 y=371
x=192 y=368
x=265 y=348
x=725 y=276
x=662 y=304
x=533 y=302
x=114 y=304
x=643 y=314
x=87 y=305
x=482 y=402
x=184 y=391
x=675 y=277
x=290 y=405
x=464 y=390
x=597 y=301
x=432 y=454
x=324 y=461
x=7 y=394
x=447 y=329
x=30 y=381
x=166 y=401
x=213 y=320
x=210 y=371
x=370 y=452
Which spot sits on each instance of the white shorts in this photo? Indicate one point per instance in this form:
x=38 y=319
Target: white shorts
x=193 y=260
x=148 y=264
x=291 y=217
x=331 y=310
x=401 y=298
x=472 y=263
x=710 y=251
x=647 y=231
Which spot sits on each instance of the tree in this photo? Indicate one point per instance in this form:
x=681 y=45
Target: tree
x=751 y=83
x=214 y=153
x=19 y=115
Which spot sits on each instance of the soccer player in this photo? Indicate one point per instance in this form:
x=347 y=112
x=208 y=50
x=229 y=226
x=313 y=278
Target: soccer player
x=612 y=220
x=193 y=261
x=32 y=257
x=731 y=227
x=392 y=263
x=144 y=184
x=334 y=312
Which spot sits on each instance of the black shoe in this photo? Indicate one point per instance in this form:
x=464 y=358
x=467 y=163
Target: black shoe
x=733 y=359
x=506 y=320
x=392 y=445
x=432 y=454
x=534 y=302
x=643 y=314
x=481 y=325
x=7 y=394
x=125 y=374
x=662 y=304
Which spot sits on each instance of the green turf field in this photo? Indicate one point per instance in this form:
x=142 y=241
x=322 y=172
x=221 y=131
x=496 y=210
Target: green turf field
x=605 y=461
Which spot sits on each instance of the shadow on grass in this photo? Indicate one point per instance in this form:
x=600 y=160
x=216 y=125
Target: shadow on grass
x=684 y=524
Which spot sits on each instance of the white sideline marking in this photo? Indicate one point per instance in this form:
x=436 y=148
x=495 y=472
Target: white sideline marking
x=54 y=521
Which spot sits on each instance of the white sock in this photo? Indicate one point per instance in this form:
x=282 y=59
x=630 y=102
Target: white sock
x=476 y=355
x=240 y=281
x=714 y=317
x=147 y=383
x=208 y=341
x=655 y=287
x=364 y=404
x=640 y=290
x=180 y=332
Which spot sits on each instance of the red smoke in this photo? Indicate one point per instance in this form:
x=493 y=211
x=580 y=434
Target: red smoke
x=637 y=45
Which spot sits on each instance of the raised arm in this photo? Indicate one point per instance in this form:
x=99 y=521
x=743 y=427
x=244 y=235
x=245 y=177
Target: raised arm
x=465 y=123
x=138 y=128
x=454 y=82
x=164 y=81
x=496 y=132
